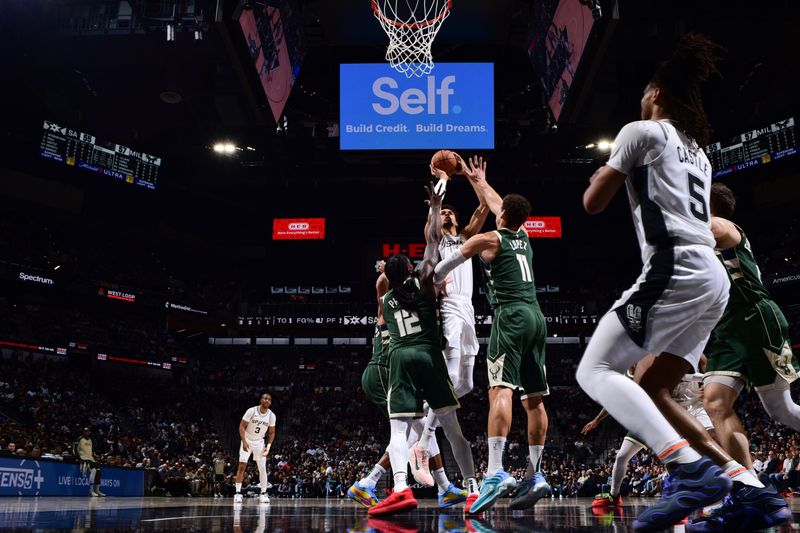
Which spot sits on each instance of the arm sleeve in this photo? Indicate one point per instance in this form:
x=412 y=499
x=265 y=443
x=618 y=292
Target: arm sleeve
x=632 y=144
x=445 y=267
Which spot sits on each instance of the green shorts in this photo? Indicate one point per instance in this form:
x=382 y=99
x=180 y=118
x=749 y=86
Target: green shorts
x=417 y=374
x=753 y=345
x=375 y=383
x=515 y=356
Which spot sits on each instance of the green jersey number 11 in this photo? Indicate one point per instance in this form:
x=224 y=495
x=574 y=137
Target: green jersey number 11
x=524 y=268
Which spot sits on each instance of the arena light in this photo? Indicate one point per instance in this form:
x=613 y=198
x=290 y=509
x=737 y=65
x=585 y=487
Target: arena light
x=605 y=145
x=224 y=148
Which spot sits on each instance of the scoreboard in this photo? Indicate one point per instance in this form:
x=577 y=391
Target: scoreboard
x=82 y=150
x=753 y=148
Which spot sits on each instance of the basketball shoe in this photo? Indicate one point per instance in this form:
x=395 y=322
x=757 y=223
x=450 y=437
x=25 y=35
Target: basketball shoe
x=605 y=499
x=529 y=492
x=418 y=459
x=263 y=498
x=688 y=487
x=745 y=509
x=397 y=502
x=494 y=487
x=362 y=494
x=451 y=496
x=237 y=498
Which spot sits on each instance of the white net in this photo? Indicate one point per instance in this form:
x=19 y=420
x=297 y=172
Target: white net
x=411 y=26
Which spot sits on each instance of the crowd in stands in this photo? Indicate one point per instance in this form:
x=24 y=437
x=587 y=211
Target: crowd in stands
x=328 y=434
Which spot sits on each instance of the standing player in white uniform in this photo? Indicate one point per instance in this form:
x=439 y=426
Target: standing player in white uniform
x=257 y=422
x=458 y=319
x=682 y=291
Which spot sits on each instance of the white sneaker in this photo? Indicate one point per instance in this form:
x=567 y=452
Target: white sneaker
x=237 y=498
x=418 y=459
x=264 y=498
x=93 y=493
x=98 y=493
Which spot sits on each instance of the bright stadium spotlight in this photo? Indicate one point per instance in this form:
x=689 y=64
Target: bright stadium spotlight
x=605 y=145
x=226 y=148
x=170 y=33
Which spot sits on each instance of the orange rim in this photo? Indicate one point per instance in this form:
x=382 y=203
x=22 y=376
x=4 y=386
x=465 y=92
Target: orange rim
x=416 y=25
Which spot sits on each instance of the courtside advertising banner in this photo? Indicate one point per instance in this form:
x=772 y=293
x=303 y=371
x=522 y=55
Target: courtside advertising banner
x=38 y=477
x=381 y=109
x=543 y=227
x=298 y=228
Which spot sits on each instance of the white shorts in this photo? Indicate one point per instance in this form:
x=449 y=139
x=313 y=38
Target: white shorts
x=676 y=302
x=458 y=324
x=700 y=414
x=256 y=448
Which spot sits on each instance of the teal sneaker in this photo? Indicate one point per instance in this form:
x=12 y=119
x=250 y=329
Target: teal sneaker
x=494 y=487
x=452 y=496
x=366 y=496
x=529 y=492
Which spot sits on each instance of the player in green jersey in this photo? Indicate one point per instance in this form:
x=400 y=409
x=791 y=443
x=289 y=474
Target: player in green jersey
x=417 y=370
x=751 y=347
x=515 y=356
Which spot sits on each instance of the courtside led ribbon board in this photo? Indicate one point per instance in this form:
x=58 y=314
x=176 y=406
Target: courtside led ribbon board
x=543 y=227
x=298 y=228
x=381 y=109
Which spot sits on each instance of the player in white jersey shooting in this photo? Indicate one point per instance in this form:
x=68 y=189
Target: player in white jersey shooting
x=458 y=319
x=258 y=422
x=682 y=291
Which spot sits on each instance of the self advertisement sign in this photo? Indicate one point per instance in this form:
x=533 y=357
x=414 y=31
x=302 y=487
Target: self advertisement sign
x=381 y=109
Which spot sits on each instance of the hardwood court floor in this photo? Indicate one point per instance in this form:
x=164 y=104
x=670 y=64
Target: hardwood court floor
x=307 y=515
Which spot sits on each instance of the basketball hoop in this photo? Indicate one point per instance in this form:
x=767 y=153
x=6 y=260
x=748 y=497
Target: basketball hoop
x=411 y=26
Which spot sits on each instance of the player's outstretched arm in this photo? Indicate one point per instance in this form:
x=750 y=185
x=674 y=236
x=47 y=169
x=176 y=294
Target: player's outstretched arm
x=725 y=233
x=475 y=171
x=475 y=245
x=432 y=238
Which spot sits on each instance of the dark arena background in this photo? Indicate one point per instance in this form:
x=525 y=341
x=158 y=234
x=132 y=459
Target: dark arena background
x=196 y=195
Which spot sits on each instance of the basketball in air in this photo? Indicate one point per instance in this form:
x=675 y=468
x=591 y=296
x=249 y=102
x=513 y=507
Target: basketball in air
x=448 y=161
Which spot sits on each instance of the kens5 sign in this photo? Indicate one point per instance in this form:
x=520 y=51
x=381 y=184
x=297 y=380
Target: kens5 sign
x=381 y=109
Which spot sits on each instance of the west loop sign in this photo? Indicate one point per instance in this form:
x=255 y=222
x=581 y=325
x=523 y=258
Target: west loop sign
x=380 y=109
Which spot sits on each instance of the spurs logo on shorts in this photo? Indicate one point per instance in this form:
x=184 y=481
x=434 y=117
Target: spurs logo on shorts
x=634 y=315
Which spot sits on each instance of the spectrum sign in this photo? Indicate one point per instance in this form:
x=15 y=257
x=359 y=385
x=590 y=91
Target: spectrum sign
x=298 y=228
x=381 y=109
x=543 y=227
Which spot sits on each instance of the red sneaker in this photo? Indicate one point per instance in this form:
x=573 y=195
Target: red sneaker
x=468 y=504
x=606 y=500
x=397 y=502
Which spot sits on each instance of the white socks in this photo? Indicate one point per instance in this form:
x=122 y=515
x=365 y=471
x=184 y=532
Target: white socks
x=238 y=488
x=679 y=452
x=400 y=482
x=496 y=446
x=535 y=454
x=374 y=476
x=737 y=472
x=441 y=479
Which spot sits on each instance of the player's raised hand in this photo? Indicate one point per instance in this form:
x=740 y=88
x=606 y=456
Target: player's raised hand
x=434 y=196
x=475 y=169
